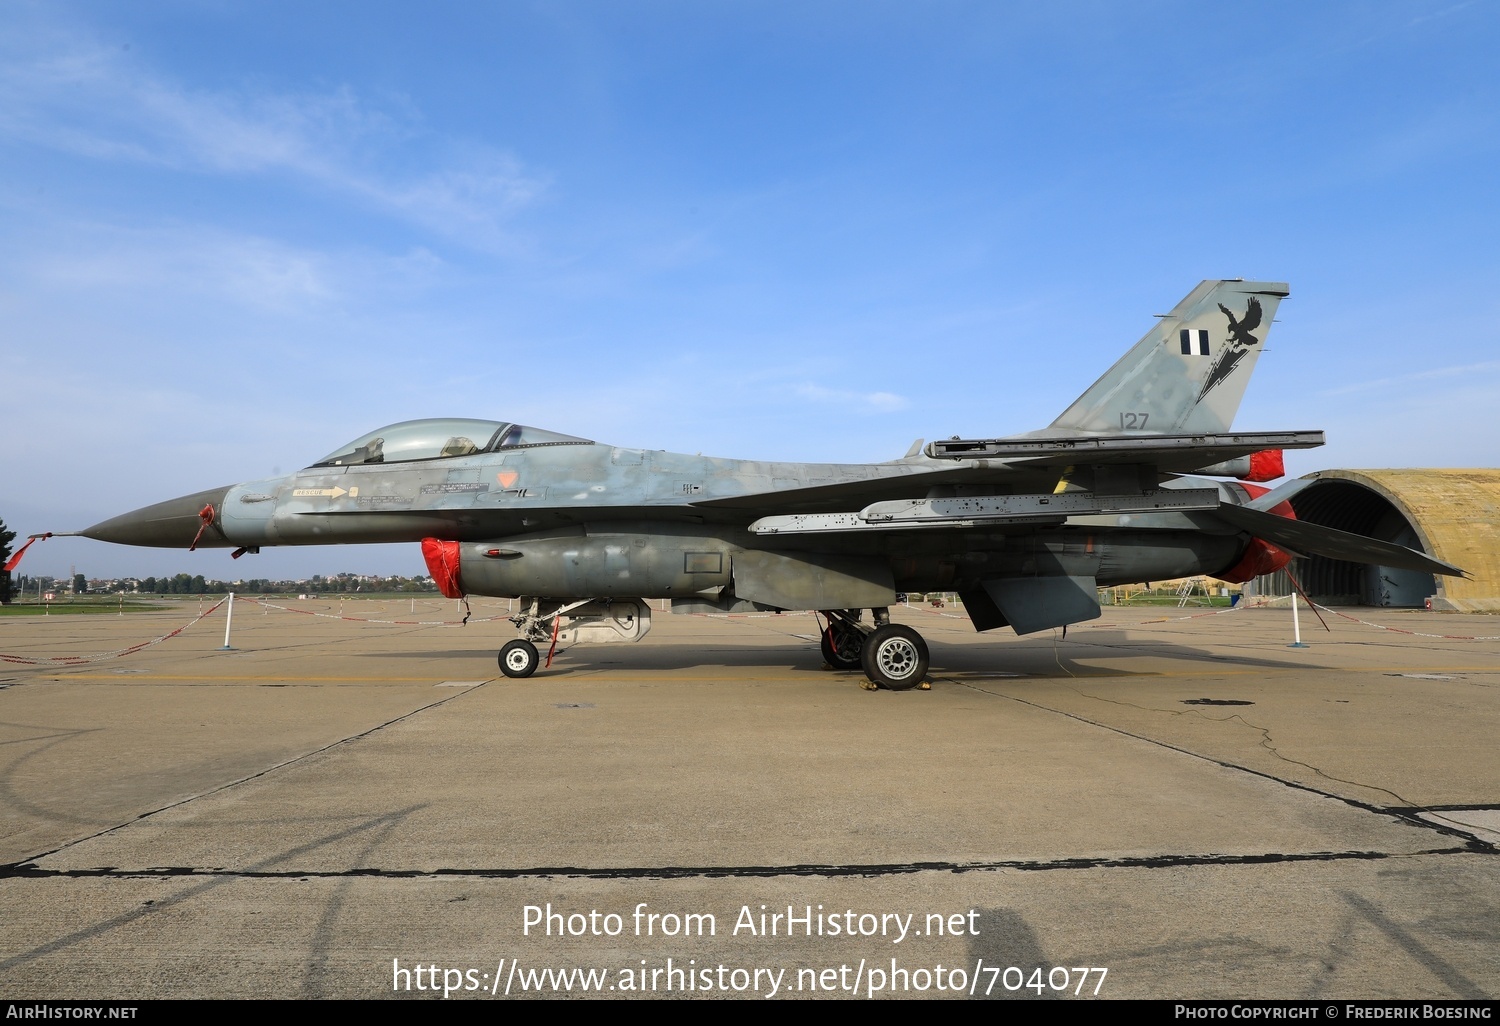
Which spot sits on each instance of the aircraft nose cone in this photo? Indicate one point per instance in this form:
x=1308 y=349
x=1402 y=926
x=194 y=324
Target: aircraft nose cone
x=171 y=524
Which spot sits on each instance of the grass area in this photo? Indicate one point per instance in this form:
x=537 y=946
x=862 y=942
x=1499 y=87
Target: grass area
x=1219 y=601
x=81 y=606
x=96 y=605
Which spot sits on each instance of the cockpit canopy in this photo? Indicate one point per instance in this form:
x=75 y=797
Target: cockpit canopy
x=440 y=439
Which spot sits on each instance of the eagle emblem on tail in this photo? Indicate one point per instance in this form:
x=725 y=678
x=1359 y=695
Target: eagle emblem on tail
x=1239 y=330
x=1239 y=339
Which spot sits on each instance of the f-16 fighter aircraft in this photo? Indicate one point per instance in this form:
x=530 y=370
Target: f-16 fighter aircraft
x=1024 y=529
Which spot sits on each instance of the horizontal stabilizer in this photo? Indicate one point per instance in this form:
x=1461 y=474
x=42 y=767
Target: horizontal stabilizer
x=1302 y=538
x=1276 y=496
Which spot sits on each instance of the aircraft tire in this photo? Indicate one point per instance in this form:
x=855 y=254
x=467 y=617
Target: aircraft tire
x=519 y=658
x=895 y=657
x=841 y=648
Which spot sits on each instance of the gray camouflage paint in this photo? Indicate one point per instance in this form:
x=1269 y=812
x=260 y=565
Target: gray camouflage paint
x=584 y=520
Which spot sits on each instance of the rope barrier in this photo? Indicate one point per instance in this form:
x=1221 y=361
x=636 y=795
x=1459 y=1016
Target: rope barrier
x=117 y=653
x=1415 y=634
x=1092 y=626
x=363 y=619
x=1239 y=608
x=753 y=616
x=1168 y=619
x=131 y=649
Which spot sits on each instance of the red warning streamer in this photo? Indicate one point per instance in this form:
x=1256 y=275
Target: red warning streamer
x=14 y=560
x=97 y=656
x=206 y=514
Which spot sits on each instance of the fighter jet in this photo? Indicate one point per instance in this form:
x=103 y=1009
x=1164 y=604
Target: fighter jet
x=1140 y=479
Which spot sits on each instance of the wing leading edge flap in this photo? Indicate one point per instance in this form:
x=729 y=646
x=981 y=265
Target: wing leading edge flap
x=990 y=511
x=1303 y=538
x=1031 y=604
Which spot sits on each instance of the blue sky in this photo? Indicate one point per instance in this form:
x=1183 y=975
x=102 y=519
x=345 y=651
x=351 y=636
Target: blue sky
x=235 y=235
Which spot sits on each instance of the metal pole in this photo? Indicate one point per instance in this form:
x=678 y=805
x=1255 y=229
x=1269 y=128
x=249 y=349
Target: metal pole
x=1296 y=624
x=228 y=622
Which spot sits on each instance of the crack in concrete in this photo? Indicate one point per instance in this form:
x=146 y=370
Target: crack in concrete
x=1267 y=743
x=97 y=929
x=246 y=779
x=28 y=870
x=1406 y=812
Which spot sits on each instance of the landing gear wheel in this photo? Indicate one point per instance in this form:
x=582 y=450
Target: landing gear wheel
x=519 y=658
x=895 y=657
x=841 y=647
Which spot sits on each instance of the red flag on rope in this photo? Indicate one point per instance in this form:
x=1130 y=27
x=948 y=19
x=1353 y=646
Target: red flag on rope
x=11 y=564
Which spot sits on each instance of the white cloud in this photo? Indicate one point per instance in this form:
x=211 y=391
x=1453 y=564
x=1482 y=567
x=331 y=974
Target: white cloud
x=162 y=267
x=92 y=102
x=248 y=271
x=1405 y=381
x=869 y=402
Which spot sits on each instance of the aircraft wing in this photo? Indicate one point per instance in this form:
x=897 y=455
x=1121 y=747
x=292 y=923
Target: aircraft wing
x=844 y=494
x=1295 y=536
x=1024 y=462
x=1173 y=454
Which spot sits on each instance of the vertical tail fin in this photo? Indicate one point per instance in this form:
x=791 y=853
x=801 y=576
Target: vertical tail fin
x=1189 y=373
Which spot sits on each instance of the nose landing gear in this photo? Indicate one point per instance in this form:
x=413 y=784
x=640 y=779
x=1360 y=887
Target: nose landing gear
x=585 y=621
x=519 y=658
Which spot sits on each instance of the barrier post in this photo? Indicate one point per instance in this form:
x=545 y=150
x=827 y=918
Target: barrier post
x=228 y=623
x=1296 y=624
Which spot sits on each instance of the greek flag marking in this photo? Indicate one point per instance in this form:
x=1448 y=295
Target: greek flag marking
x=1194 y=341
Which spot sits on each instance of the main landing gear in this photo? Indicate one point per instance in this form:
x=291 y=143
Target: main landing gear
x=892 y=655
x=843 y=639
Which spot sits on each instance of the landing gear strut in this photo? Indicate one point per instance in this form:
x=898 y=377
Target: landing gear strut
x=843 y=639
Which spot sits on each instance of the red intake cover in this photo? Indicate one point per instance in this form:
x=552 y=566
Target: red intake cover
x=1261 y=557
x=442 y=563
x=1266 y=465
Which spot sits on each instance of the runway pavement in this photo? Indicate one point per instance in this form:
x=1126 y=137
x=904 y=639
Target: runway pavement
x=344 y=808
